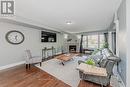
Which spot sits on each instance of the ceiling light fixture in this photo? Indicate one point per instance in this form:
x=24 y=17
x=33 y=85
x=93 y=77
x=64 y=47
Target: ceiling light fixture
x=68 y=22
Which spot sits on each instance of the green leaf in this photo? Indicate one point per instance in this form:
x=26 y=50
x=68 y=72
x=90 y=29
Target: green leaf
x=90 y=62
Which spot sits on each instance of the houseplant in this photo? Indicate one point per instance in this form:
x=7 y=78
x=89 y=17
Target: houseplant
x=90 y=61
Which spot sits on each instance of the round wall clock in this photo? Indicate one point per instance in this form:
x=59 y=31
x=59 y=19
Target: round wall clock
x=14 y=37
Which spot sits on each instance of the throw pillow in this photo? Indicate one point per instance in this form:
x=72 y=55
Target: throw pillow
x=97 y=58
x=108 y=52
x=103 y=63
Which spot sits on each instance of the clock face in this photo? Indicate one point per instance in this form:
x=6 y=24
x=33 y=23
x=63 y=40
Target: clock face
x=14 y=37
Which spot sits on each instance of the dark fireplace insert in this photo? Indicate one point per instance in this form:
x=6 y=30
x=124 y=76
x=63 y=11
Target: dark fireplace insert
x=72 y=48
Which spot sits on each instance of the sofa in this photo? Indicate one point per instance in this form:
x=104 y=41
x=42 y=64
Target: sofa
x=104 y=59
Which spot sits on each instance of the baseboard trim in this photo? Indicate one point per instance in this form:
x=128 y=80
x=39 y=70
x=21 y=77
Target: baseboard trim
x=11 y=65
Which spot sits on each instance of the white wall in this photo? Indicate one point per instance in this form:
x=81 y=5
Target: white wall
x=122 y=40
x=128 y=42
x=74 y=41
x=73 y=37
x=110 y=40
x=15 y=53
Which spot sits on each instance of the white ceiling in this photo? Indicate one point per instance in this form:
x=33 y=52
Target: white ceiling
x=85 y=15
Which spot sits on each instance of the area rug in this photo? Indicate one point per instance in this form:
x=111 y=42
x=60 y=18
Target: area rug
x=66 y=73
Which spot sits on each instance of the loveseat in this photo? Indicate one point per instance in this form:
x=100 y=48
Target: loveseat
x=104 y=59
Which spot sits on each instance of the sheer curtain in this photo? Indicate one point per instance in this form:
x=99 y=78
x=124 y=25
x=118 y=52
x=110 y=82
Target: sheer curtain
x=85 y=42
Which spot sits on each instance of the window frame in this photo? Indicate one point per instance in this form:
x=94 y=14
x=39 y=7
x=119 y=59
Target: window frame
x=97 y=40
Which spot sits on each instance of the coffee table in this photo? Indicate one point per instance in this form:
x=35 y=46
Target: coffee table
x=65 y=57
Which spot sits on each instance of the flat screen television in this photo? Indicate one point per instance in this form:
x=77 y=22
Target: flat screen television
x=48 y=36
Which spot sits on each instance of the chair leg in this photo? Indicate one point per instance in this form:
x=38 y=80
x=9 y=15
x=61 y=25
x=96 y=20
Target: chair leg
x=40 y=63
x=29 y=66
x=26 y=66
x=62 y=63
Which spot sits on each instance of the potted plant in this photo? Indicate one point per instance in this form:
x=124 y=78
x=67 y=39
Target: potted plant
x=105 y=45
x=90 y=62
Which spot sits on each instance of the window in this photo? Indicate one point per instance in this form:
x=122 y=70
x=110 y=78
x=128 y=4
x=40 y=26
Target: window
x=102 y=40
x=93 y=41
x=84 y=42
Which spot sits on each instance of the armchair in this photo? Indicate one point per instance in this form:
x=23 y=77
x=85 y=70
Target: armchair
x=104 y=59
x=32 y=59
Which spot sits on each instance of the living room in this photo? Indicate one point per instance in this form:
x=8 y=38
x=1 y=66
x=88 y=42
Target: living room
x=61 y=35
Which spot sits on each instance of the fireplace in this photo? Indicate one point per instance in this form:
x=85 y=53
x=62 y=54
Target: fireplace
x=72 y=48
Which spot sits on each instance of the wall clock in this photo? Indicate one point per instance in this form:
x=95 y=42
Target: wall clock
x=15 y=37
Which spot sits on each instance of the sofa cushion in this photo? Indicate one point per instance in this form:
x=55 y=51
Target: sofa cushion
x=97 y=58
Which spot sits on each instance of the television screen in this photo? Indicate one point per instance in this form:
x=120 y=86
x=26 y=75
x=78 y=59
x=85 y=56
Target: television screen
x=48 y=36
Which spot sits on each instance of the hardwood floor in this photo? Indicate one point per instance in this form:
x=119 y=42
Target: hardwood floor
x=88 y=84
x=20 y=77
